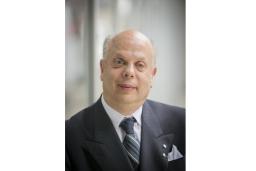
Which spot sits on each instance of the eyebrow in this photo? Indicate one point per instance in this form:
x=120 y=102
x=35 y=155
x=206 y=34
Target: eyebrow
x=119 y=55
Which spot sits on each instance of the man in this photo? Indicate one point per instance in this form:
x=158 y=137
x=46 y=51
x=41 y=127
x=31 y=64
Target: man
x=123 y=131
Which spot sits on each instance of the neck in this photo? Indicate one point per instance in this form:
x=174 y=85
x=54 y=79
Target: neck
x=125 y=109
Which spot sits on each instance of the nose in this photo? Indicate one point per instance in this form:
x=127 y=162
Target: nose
x=129 y=71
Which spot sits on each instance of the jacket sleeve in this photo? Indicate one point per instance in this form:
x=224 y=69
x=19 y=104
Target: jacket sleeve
x=67 y=162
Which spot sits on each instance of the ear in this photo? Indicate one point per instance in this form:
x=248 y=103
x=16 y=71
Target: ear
x=101 y=68
x=154 y=71
x=153 y=74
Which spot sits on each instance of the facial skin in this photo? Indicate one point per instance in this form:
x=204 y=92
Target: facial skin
x=127 y=70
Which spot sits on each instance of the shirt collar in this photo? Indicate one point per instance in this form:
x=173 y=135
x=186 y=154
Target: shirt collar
x=117 y=117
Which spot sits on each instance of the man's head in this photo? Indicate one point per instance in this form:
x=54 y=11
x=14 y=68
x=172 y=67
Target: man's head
x=127 y=68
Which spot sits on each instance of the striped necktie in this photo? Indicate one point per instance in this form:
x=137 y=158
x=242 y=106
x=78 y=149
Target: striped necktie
x=131 y=142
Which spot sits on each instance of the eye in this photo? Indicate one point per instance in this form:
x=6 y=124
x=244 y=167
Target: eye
x=118 y=62
x=140 y=66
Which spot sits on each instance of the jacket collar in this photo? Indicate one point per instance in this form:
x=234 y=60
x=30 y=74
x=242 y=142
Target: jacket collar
x=153 y=139
x=105 y=145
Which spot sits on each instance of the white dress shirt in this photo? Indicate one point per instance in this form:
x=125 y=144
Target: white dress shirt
x=117 y=118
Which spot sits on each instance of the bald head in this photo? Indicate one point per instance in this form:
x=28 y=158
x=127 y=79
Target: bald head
x=131 y=39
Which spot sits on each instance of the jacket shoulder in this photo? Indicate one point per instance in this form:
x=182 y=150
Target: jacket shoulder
x=165 y=108
x=81 y=122
x=168 y=115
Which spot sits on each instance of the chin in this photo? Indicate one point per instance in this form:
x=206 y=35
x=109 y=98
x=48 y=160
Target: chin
x=126 y=99
x=129 y=99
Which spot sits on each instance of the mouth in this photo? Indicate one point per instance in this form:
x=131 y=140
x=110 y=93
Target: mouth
x=127 y=86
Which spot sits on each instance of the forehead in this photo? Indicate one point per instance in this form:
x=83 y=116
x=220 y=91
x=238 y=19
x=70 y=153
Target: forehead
x=130 y=55
x=131 y=40
x=131 y=45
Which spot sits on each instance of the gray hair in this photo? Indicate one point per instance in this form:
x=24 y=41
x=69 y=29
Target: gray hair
x=106 y=45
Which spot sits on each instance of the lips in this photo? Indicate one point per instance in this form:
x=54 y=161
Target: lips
x=127 y=86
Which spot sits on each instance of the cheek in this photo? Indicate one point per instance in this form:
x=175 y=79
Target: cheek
x=110 y=75
x=146 y=81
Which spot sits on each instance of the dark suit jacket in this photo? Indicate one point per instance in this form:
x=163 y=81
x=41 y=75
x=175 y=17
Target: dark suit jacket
x=92 y=143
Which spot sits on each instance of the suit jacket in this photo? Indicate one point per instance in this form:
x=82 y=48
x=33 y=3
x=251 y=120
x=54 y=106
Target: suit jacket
x=92 y=143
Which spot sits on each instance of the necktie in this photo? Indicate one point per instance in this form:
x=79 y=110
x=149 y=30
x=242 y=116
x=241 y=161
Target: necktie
x=131 y=143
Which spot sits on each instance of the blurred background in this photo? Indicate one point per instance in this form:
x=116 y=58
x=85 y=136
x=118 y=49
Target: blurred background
x=88 y=22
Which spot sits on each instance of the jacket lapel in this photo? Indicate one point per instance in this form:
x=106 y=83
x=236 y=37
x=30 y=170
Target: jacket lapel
x=154 y=144
x=105 y=145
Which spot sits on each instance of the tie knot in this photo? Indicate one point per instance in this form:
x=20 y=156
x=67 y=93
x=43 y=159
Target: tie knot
x=127 y=125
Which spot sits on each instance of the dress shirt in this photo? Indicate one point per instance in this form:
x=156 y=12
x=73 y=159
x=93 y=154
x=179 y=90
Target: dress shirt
x=117 y=118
